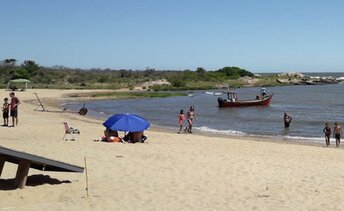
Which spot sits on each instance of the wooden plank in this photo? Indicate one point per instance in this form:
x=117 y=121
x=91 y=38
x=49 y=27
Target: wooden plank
x=37 y=162
x=22 y=172
x=2 y=163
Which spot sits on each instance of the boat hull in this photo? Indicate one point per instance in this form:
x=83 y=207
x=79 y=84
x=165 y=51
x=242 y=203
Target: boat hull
x=262 y=102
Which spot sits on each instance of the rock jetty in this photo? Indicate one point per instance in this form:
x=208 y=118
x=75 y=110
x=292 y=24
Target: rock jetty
x=295 y=78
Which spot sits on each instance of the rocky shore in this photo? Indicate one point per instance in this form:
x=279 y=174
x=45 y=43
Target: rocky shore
x=295 y=78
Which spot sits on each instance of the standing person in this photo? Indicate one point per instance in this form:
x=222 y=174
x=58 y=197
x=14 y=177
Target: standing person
x=5 y=111
x=14 y=109
x=287 y=120
x=263 y=92
x=327 y=132
x=191 y=115
x=181 y=119
x=337 y=132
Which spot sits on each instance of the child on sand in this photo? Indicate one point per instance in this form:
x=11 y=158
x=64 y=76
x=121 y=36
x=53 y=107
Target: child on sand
x=181 y=119
x=5 y=111
x=327 y=132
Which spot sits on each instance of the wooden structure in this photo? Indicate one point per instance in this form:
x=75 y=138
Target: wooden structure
x=24 y=82
x=26 y=161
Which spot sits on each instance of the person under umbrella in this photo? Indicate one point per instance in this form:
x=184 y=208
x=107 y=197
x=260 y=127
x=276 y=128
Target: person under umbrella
x=131 y=123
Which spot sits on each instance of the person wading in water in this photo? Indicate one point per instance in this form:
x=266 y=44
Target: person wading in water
x=287 y=120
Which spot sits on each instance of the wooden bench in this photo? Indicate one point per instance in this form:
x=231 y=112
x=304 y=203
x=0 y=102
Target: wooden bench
x=26 y=161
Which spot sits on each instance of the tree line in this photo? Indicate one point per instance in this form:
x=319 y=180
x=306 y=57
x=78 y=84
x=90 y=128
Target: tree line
x=64 y=77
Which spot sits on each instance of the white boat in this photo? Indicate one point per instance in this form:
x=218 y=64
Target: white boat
x=214 y=93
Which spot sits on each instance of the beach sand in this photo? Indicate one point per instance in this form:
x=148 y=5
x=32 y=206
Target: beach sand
x=169 y=172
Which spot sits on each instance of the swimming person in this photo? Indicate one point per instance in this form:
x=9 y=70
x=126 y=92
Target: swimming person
x=287 y=120
x=327 y=132
x=337 y=132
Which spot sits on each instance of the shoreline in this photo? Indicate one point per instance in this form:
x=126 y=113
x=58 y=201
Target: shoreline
x=254 y=137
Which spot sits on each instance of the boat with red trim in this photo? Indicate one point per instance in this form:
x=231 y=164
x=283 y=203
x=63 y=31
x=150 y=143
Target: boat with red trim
x=233 y=101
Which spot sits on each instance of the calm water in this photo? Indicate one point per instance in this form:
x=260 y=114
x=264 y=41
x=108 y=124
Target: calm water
x=310 y=107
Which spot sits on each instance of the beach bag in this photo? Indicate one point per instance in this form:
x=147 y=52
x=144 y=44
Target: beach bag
x=74 y=130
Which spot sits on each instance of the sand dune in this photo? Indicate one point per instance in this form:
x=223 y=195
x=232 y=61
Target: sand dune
x=170 y=172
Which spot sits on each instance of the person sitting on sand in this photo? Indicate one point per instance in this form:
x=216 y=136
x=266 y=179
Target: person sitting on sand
x=133 y=137
x=327 y=132
x=337 y=132
x=110 y=136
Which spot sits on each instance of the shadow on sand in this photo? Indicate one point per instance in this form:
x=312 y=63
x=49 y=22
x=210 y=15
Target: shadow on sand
x=33 y=180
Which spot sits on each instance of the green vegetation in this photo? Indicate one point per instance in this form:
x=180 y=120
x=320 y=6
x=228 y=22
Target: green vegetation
x=269 y=81
x=60 y=77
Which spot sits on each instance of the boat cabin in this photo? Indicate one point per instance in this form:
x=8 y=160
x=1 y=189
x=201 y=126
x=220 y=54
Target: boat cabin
x=232 y=96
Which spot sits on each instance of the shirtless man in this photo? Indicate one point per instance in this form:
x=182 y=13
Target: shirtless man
x=337 y=132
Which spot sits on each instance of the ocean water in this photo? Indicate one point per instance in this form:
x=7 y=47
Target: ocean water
x=310 y=107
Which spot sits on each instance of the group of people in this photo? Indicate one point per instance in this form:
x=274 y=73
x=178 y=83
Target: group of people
x=10 y=109
x=130 y=137
x=337 y=130
x=337 y=133
x=190 y=117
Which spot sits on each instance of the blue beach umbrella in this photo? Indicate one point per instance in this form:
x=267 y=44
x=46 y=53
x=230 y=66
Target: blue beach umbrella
x=126 y=123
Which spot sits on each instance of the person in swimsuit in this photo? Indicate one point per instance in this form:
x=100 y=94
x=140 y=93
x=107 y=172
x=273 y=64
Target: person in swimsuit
x=191 y=115
x=287 y=119
x=181 y=119
x=327 y=132
x=337 y=132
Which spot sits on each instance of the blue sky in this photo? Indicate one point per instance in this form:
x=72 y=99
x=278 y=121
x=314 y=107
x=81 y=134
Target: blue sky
x=258 y=35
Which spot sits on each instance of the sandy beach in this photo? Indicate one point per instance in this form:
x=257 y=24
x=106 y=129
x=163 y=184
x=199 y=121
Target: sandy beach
x=168 y=172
